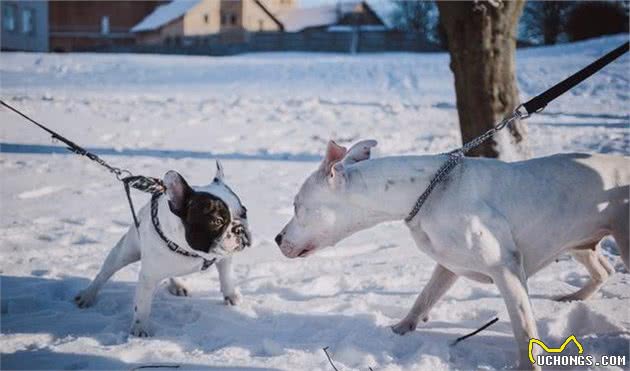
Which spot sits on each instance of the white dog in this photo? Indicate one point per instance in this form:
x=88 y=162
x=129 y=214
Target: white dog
x=184 y=231
x=490 y=221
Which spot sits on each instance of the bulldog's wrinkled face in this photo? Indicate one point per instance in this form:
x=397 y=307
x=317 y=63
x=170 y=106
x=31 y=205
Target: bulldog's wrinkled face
x=214 y=219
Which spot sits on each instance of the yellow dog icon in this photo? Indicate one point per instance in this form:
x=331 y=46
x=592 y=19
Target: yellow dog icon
x=553 y=350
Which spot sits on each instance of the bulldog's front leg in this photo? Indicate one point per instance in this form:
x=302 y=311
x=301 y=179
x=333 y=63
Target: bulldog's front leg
x=231 y=295
x=142 y=305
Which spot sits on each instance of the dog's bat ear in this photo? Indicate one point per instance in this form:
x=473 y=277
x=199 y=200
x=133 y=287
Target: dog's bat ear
x=334 y=154
x=219 y=175
x=359 y=152
x=178 y=192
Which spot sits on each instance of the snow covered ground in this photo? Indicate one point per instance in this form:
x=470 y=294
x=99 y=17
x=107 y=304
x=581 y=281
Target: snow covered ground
x=268 y=116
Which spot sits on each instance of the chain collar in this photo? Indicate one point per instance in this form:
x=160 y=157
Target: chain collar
x=172 y=245
x=456 y=156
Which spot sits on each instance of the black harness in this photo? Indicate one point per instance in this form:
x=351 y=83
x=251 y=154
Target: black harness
x=172 y=245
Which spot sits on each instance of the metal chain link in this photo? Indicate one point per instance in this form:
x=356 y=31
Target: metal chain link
x=456 y=156
x=174 y=247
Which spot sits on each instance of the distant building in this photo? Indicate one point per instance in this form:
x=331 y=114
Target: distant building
x=79 y=25
x=24 y=25
x=342 y=16
x=181 y=18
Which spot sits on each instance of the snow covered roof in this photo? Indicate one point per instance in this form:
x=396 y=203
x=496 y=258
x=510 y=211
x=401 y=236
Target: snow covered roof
x=348 y=28
x=298 y=19
x=164 y=14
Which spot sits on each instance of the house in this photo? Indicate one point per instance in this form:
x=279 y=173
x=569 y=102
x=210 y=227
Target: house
x=181 y=18
x=24 y=25
x=337 y=17
x=81 y=25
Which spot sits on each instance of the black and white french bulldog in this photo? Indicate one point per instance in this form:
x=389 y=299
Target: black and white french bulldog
x=185 y=230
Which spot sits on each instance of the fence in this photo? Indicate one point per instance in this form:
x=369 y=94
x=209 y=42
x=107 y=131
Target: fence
x=310 y=41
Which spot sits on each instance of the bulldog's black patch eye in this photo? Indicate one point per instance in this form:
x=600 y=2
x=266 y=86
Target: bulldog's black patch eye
x=244 y=213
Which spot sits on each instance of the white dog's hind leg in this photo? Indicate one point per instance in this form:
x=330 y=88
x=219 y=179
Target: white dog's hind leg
x=176 y=287
x=598 y=268
x=124 y=253
x=231 y=296
x=621 y=231
x=441 y=280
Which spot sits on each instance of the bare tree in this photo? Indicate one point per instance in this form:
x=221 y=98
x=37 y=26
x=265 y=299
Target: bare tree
x=481 y=38
x=544 y=20
x=596 y=18
x=411 y=15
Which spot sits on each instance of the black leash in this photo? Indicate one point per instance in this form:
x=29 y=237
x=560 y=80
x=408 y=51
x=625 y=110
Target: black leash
x=139 y=182
x=523 y=111
x=71 y=146
x=539 y=102
x=142 y=183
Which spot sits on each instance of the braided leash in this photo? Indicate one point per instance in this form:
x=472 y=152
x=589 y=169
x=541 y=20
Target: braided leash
x=174 y=247
x=142 y=183
x=139 y=182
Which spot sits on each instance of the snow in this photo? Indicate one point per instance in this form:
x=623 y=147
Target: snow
x=268 y=116
x=297 y=19
x=164 y=14
x=366 y=28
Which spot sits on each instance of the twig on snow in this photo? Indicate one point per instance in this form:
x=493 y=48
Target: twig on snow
x=330 y=359
x=475 y=332
x=155 y=366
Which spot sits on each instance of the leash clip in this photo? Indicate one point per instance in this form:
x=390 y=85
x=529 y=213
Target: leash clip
x=521 y=112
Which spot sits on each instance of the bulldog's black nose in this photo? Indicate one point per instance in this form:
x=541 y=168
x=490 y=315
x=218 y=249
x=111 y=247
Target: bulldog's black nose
x=279 y=239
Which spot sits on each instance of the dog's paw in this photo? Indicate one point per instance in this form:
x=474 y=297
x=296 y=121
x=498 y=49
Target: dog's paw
x=405 y=326
x=177 y=289
x=139 y=330
x=233 y=299
x=85 y=298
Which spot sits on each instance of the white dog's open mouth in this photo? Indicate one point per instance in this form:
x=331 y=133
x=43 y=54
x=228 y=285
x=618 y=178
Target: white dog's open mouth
x=305 y=252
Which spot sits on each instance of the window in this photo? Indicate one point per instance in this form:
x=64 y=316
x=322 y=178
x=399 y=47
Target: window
x=223 y=19
x=206 y=18
x=8 y=17
x=105 y=25
x=233 y=18
x=28 y=21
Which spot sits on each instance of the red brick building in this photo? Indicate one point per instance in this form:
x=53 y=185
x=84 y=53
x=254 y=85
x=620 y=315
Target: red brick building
x=80 y=25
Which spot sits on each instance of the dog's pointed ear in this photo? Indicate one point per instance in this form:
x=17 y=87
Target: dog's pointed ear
x=178 y=192
x=334 y=154
x=359 y=152
x=219 y=175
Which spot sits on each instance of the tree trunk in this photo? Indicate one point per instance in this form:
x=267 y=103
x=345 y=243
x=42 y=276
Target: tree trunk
x=481 y=38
